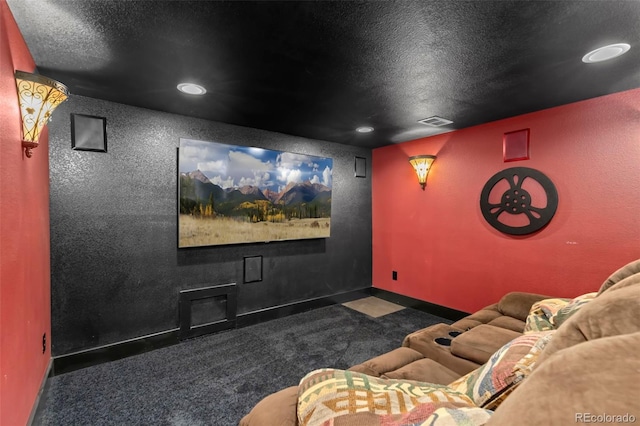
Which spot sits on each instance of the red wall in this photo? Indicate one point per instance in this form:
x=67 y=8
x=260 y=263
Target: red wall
x=446 y=253
x=24 y=246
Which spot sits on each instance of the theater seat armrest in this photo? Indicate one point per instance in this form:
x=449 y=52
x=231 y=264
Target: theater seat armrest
x=479 y=343
x=424 y=370
x=389 y=361
x=277 y=409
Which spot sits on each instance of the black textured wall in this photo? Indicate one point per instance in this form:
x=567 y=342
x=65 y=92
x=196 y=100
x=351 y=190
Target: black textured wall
x=116 y=269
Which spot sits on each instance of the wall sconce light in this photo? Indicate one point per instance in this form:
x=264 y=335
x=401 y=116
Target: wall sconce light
x=422 y=164
x=38 y=96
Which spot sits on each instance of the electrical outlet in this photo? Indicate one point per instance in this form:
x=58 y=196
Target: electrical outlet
x=44 y=342
x=394 y=275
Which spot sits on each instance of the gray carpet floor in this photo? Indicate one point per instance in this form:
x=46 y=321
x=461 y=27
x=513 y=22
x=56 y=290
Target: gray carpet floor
x=216 y=379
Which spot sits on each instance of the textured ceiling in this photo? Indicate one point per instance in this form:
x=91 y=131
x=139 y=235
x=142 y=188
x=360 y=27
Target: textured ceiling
x=321 y=69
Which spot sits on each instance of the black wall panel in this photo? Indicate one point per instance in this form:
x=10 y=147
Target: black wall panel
x=116 y=271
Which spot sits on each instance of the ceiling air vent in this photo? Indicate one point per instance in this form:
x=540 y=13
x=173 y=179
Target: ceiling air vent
x=435 y=121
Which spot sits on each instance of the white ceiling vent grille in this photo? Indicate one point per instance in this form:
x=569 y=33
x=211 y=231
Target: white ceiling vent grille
x=435 y=121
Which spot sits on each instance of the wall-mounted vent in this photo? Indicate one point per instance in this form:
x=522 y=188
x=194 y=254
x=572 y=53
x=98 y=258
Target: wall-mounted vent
x=435 y=121
x=207 y=310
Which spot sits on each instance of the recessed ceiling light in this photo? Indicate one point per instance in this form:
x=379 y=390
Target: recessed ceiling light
x=605 y=53
x=191 y=89
x=364 y=129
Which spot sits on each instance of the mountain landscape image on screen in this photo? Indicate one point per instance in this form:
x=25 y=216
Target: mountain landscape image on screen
x=233 y=194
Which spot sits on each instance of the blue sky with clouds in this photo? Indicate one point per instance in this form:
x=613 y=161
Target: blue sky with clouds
x=234 y=166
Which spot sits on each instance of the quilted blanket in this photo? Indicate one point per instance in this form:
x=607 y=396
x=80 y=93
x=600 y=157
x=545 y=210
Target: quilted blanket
x=331 y=397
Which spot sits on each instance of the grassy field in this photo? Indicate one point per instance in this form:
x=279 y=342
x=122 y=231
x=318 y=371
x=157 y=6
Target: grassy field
x=206 y=231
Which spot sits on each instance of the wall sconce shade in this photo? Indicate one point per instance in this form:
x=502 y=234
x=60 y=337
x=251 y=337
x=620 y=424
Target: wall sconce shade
x=38 y=96
x=422 y=164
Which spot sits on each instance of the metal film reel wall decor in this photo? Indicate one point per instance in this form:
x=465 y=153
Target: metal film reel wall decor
x=516 y=200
